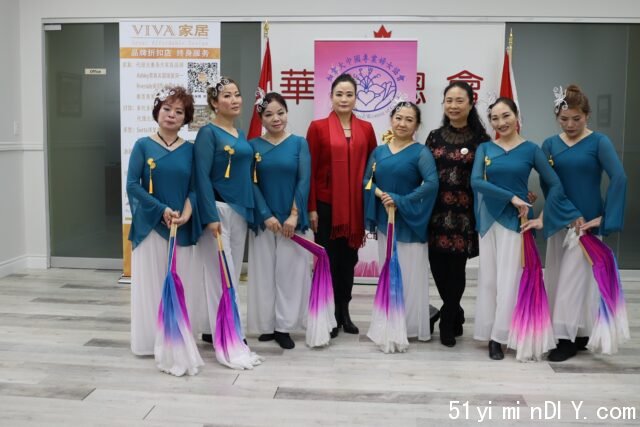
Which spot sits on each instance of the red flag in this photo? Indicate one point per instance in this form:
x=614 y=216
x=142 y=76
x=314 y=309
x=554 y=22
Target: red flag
x=508 y=85
x=266 y=84
x=505 y=84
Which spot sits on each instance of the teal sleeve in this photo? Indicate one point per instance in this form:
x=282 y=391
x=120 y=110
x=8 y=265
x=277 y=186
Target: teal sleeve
x=558 y=209
x=370 y=199
x=303 y=183
x=204 y=156
x=546 y=150
x=262 y=209
x=415 y=207
x=195 y=222
x=490 y=200
x=613 y=217
x=144 y=207
x=489 y=190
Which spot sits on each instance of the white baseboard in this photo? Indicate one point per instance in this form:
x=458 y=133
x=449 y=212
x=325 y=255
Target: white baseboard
x=37 y=262
x=21 y=263
x=13 y=265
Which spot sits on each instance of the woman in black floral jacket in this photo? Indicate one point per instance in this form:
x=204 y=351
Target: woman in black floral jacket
x=452 y=235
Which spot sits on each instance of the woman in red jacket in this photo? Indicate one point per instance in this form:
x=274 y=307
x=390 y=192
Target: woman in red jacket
x=340 y=146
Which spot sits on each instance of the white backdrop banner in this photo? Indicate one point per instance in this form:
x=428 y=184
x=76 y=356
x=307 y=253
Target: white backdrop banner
x=472 y=52
x=446 y=51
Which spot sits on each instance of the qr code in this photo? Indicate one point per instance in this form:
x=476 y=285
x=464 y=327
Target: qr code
x=200 y=74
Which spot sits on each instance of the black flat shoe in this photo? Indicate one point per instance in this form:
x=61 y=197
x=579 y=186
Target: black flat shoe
x=284 y=340
x=581 y=343
x=495 y=350
x=334 y=332
x=267 y=337
x=207 y=338
x=448 y=341
x=565 y=350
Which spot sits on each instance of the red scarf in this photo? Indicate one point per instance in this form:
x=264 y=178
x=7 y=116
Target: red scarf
x=348 y=161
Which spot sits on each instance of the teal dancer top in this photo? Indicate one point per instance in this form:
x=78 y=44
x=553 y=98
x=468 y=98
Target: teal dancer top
x=212 y=160
x=411 y=179
x=580 y=167
x=498 y=175
x=283 y=173
x=172 y=184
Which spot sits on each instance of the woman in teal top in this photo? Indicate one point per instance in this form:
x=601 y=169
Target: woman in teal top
x=279 y=269
x=403 y=174
x=159 y=190
x=223 y=159
x=579 y=156
x=499 y=179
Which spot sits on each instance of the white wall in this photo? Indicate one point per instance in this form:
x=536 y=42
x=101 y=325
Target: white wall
x=22 y=177
x=12 y=225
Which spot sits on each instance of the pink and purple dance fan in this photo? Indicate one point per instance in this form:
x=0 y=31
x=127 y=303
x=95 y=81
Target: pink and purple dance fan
x=531 y=332
x=321 y=318
x=175 y=349
x=611 y=327
x=388 y=327
x=230 y=347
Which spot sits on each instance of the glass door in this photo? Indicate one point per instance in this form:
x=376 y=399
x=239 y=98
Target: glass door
x=83 y=145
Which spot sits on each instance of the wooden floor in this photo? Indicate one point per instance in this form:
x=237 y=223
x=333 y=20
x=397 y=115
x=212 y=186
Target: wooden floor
x=65 y=360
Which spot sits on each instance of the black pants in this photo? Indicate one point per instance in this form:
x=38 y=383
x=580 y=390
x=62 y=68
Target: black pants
x=342 y=258
x=449 y=274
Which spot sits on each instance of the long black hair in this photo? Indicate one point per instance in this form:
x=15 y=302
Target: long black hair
x=344 y=77
x=473 y=121
x=506 y=101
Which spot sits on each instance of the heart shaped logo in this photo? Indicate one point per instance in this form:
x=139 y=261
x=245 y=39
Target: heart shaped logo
x=366 y=96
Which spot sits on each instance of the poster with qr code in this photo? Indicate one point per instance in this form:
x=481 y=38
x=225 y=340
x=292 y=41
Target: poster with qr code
x=199 y=75
x=160 y=55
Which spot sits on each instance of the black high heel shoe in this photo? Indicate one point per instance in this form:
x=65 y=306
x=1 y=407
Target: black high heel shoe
x=347 y=325
x=434 y=316
x=459 y=322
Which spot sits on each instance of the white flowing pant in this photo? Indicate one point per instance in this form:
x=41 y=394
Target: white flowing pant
x=204 y=298
x=279 y=284
x=499 y=275
x=572 y=289
x=148 y=272
x=414 y=264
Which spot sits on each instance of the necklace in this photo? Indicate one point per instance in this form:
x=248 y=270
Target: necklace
x=165 y=142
